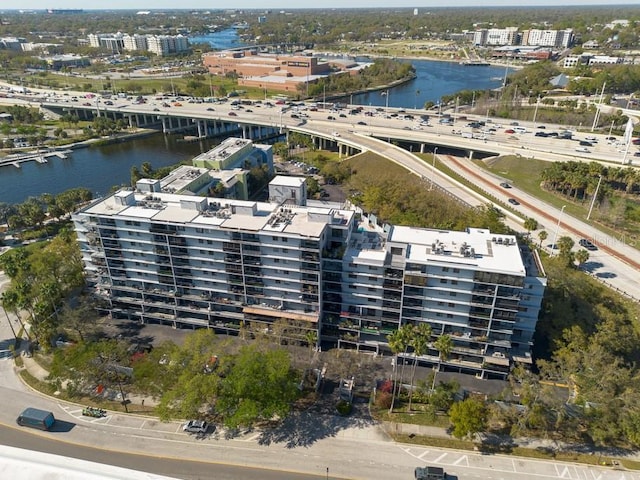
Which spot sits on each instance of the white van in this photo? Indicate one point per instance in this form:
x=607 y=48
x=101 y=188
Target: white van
x=519 y=129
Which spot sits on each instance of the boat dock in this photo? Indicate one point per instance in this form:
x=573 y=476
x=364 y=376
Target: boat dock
x=39 y=156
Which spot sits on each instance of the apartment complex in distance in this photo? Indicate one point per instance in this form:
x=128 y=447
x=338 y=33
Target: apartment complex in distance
x=321 y=267
x=160 y=45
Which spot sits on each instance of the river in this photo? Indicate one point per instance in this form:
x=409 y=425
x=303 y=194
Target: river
x=101 y=168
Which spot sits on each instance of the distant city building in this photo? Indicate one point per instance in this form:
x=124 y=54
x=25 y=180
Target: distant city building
x=12 y=43
x=605 y=60
x=327 y=268
x=591 y=45
x=511 y=36
x=548 y=38
x=64 y=11
x=160 y=45
x=58 y=62
x=273 y=71
x=262 y=19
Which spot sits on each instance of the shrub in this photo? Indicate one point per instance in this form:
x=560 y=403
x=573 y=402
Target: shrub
x=383 y=399
x=343 y=408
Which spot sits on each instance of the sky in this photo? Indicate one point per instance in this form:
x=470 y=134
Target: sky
x=289 y=4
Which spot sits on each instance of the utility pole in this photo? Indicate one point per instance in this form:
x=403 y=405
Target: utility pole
x=555 y=236
x=595 y=195
x=433 y=168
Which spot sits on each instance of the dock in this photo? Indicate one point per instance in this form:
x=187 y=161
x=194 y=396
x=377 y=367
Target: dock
x=41 y=156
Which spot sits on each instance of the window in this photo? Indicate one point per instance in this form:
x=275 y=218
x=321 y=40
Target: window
x=451 y=305
x=371 y=300
x=456 y=270
x=209 y=242
x=454 y=282
x=453 y=294
x=353 y=275
x=396 y=250
x=445 y=269
x=440 y=303
x=276 y=260
x=371 y=289
x=443 y=280
x=449 y=315
x=200 y=240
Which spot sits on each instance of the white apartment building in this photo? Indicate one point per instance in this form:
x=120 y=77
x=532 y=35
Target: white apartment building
x=605 y=60
x=159 y=44
x=185 y=260
x=496 y=36
x=135 y=42
x=548 y=38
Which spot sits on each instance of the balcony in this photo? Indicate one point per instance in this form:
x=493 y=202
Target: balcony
x=231 y=247
x=392 y=284
x=310 y=267
x=308 y=245
x=177 y=241
x=251 y=238
x=310 y=257
x=162 y=228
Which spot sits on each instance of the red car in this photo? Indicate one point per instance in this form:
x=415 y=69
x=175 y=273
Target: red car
x=509 y=130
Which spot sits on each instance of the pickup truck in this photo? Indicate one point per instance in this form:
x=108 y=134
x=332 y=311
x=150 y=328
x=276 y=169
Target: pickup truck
x=429 y=473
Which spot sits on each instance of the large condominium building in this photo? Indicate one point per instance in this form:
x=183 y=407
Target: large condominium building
x=315 y=267
x=533 y=37
x=548 y=38
x=159 y=44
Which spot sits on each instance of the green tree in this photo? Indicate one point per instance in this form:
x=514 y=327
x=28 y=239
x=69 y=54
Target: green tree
x=398 y=343
x=419 y=339
x=259 y=386
x=542 y=235
x=530 y=224
x=444 y=345
x=581 y=256
x=468 y=417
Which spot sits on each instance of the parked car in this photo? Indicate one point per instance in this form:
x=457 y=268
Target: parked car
x=587 y=244
x=195 y=426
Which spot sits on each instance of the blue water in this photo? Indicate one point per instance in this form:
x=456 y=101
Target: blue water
x=222 y=40
x=434 y=80
x=98 y=169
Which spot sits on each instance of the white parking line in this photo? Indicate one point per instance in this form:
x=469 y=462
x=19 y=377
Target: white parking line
x=437 y=460
x=463 y=457
x=423 y=454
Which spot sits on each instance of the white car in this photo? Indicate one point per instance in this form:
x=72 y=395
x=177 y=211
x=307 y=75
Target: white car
x=336 y=134
x=195 y=426
x=582 y=149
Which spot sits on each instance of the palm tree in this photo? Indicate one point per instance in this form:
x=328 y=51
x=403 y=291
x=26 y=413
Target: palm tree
x=9 y=301
x=530 y=224
x=581 y=256
x=444 y=345
x=419 y=341
x=398 y=342
x=542 y=235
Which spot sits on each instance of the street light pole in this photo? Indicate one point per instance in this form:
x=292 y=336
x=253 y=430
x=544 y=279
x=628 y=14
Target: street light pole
x=555 y=236
x=433 y=168
x=535 y=112
x=595 y=195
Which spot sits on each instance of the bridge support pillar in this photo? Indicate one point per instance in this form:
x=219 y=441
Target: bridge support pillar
x=164 y=124
x=422 y=148
x=130 y=118
x=471 y=154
